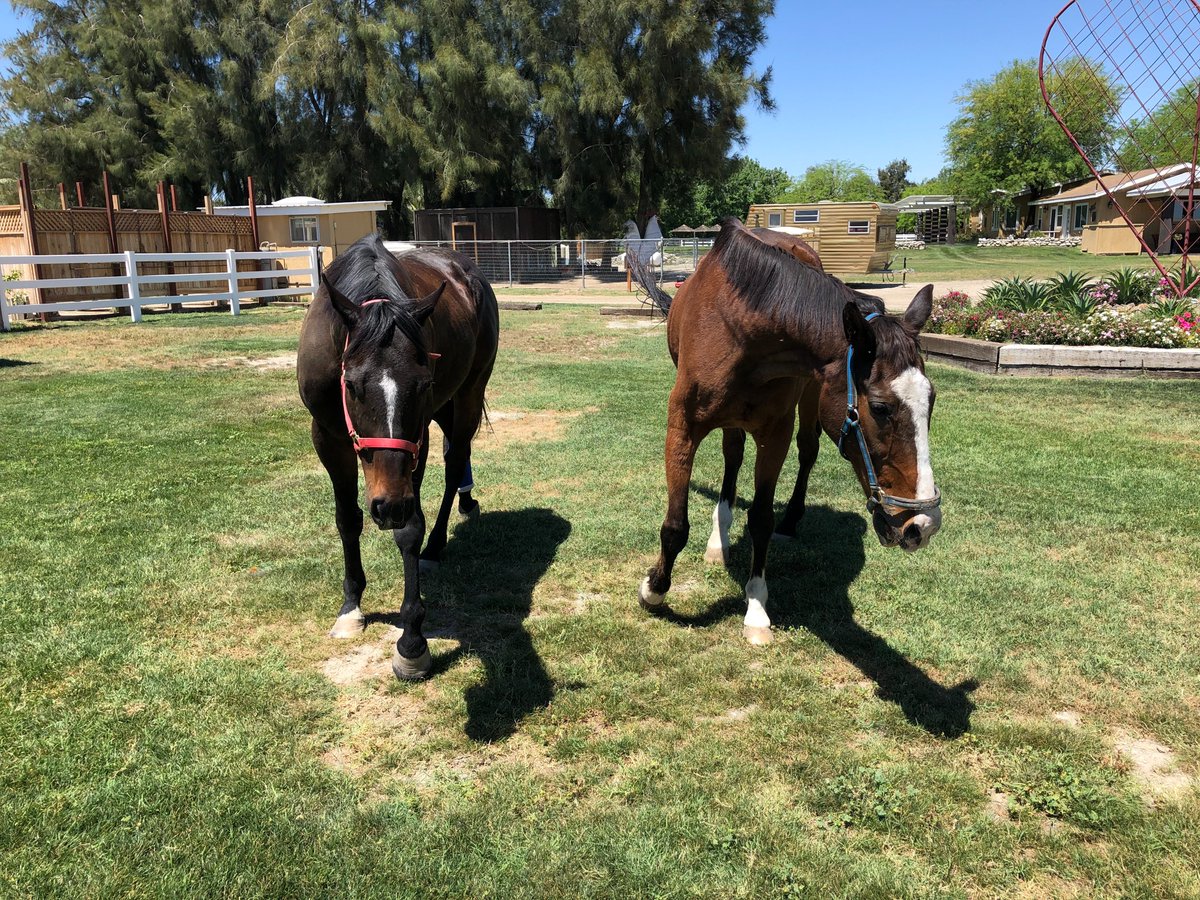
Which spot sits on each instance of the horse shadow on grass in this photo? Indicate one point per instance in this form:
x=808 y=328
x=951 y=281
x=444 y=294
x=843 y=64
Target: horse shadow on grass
x=480 y=597
x=809 y=582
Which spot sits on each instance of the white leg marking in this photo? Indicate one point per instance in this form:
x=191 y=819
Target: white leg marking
x=914 y=390
x=756 y=627
x=348 y=625
x=717 y=550
x=390 y=391
x=647 y=597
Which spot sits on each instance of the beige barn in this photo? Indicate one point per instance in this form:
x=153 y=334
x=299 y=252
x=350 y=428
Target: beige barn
x=306 y=222
x=850 y=237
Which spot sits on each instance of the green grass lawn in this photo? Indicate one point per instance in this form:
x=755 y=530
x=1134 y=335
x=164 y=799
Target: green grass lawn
x=176 y=722
x=960 y=262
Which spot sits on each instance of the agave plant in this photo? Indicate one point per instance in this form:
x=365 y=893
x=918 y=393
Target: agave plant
x=1067 y=286
x=1036 y=296
x=1004 y=294
x=1131 y=285
x=1172 y=306
x=1079 y=305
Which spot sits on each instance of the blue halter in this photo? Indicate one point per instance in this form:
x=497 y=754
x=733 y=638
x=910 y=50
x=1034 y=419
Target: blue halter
x=876 y=495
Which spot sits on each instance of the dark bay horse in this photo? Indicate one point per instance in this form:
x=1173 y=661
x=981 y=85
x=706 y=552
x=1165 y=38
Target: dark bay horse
x=761 y=337
x=388 y=345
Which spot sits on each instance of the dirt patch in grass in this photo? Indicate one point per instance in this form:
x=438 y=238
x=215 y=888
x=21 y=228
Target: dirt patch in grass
x=523 y=427
x=1154 y=768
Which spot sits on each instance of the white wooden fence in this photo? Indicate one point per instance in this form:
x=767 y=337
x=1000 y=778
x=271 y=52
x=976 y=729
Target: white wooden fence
x=145 y=290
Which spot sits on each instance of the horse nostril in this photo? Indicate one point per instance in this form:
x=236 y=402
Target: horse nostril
x=912 y=533
x=379 y=510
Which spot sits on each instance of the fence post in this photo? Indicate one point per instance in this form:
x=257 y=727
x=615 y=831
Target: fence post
x=135 y=289
x=3 y=306
x=583 y=265
x=314 y=263
x=231 y=268
x=509 y=243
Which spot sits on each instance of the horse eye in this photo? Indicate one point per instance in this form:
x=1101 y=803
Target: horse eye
x=352 y=388
x=881 y=410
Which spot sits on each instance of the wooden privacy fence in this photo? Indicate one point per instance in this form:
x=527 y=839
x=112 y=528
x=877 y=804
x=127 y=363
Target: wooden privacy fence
x=84 y=233
x=130 y=276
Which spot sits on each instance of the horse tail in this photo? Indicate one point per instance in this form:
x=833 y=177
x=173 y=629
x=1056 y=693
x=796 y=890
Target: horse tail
x=660 y=299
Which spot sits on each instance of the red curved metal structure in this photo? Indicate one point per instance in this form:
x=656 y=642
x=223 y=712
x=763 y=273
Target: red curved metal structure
x=1139 y=62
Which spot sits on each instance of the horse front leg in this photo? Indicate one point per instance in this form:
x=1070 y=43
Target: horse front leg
x=772 y=444
x=338 y=458
x=682 y=441
x=463 y=422
x=733 y=448
x=808 y=444
x=411 y=660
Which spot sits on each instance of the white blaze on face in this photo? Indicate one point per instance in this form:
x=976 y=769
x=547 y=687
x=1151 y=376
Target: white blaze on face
x=390 y=392
x=914 y=391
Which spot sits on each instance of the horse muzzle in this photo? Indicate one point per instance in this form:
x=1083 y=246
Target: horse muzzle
x=392 y=513
x=910 y=533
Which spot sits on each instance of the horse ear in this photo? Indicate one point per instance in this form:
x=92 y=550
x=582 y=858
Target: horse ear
x=423 y=308
x=342 y=304
x=858 y=332
x=918 y=311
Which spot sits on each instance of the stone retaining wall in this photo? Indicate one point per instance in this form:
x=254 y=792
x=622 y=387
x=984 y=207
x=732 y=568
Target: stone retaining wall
x=1048 y=359
x=1030 y=242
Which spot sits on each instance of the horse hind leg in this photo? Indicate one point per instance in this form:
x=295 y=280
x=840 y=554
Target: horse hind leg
x=733 y=447
x=680 y=456
x=808 y=445
x=337 y=456
x=772 y=445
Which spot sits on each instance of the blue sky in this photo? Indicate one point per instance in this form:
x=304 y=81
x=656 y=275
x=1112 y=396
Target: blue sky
x=869 y=81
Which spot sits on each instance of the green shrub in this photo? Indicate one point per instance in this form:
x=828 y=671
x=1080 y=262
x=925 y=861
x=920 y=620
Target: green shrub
x=1130 y=285
x=1068 y=286
x=1169 y=305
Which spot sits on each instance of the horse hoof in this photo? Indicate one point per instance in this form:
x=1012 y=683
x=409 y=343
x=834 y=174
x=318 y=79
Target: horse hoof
x=715 y=554
x=469 y=515
x=427 y=566
x=781 y=537
x=757 y=635
x=412 y=669
x=648 y=599
x=348 y=625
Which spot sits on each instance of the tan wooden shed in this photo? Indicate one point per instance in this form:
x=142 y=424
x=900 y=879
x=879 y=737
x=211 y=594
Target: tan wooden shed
x=850 y=237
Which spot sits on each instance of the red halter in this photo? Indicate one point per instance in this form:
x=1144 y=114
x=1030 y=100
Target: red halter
x=365 y=443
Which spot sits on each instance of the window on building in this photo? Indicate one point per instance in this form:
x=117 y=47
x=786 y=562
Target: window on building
x=774 y=220
x=1081 y=214
x=304 y=230
x=806 y=216
x=858 y=226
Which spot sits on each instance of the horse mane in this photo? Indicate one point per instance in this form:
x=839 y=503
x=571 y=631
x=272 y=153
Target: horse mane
x=772 y=282
x=367 y=271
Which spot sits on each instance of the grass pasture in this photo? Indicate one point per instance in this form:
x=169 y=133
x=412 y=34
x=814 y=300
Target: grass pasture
x=1013 y=712
x=957 y=262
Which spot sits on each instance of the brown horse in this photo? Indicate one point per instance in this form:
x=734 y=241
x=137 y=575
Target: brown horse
x=388 y=345
x=759 y=335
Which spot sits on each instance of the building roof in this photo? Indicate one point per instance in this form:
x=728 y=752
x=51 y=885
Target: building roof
x=925 y=201
x=1168 y=186
x=1114 y=182
x=294 y=206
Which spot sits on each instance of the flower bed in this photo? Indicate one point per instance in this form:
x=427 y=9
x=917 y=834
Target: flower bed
x=1091 y=321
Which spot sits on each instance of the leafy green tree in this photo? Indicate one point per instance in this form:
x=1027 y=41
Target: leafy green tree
x=639 y=92
x=742 y=182
x=833 y=180
x=1003 y=137
x=1165 y=136
x=893 y=179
